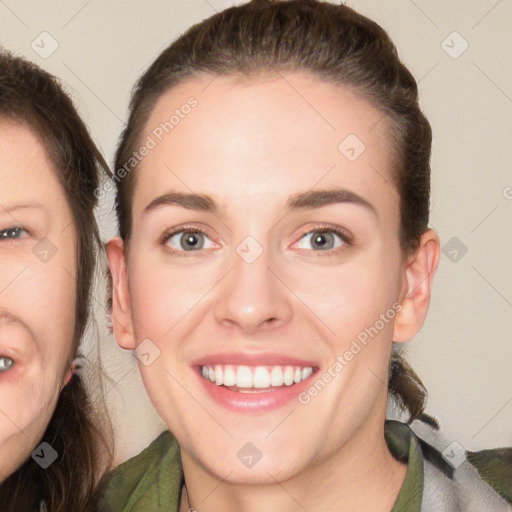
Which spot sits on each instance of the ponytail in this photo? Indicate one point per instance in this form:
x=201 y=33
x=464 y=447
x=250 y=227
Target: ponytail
x=407 y=390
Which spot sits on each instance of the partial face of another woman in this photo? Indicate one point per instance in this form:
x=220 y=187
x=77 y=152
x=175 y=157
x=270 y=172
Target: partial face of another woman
x=265 y=241
x=37 y=292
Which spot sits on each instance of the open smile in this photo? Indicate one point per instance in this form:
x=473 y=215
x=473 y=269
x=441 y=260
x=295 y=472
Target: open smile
x=254 y=387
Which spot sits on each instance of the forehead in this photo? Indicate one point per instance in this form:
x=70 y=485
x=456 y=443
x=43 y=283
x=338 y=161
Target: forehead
x=26 y=173
x=265 y=138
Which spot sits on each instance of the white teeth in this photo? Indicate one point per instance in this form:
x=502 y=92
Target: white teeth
x=276 y=376
x=255 y=376
x=306 y=372
x=243 y=377
x=229 y=376
x=288 y=375
x=261 y=378
x=219 y=377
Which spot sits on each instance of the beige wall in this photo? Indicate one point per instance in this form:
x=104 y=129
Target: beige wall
x=464 y=352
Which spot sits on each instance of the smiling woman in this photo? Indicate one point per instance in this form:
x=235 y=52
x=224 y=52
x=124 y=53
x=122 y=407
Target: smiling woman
x=50 y=456
x=273 y=246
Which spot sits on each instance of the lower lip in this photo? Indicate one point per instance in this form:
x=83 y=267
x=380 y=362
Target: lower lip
x=253 y=401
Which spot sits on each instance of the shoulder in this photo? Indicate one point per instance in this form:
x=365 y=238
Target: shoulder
x=495 y=467
x=456 y=479
x=144 y=482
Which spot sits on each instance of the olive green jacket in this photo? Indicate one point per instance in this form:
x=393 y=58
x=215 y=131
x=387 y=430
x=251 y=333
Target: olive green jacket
x=451 y=481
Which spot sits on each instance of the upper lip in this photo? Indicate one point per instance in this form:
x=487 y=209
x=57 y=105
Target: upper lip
x=253 y=359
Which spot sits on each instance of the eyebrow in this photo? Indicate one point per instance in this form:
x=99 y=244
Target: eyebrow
x=310 y=200
x=21 y=206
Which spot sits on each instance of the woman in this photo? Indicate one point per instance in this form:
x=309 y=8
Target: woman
x=52 y=450
x=273 y=203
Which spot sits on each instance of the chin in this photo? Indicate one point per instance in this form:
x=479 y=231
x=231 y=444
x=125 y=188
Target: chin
x=244 y=462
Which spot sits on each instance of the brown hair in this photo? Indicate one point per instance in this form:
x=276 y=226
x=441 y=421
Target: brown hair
x=334 y=43
x=33 y=98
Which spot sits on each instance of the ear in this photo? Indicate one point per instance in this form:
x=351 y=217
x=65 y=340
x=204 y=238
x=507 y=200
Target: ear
x=416 y=287
x=69 y=374
x=67 y=378
x=122 y=324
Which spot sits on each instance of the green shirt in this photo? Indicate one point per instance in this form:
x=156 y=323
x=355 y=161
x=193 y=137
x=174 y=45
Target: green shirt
x=152 y=480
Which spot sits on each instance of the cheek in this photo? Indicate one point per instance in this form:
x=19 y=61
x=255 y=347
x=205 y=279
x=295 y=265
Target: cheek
x=346 y=298
x=27 y=403
x=30 y=399
x=360 y=305
x=49 y=302
x=42 y=298
x=161 y=295
x=164 y=299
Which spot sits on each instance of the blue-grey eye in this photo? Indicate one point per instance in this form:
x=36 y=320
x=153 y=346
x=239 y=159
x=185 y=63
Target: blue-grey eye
x=5 y=363
x=194 y=240
x=325 y=239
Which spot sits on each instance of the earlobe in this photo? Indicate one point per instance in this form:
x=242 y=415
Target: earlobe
x=67 y=378
x=417 y=286
x=70 y=373
x=121 y=311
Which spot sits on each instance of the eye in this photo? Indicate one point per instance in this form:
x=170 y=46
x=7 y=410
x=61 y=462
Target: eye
x=12 y=233
x=324 y=239
x=5 y=363
x=186 y=240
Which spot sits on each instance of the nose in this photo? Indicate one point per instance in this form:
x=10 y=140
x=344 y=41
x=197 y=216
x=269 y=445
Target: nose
x=253 y=297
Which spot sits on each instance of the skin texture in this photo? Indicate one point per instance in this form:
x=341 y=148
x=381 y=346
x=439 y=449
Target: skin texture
x=251 y=145
x=36 y=298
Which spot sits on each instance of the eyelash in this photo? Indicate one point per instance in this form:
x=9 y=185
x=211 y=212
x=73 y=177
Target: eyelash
x=11 y=228
x=324 y=228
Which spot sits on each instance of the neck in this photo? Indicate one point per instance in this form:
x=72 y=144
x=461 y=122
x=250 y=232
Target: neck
x=361 y=476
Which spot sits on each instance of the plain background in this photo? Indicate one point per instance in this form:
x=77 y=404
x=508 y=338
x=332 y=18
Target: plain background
x=464 y=352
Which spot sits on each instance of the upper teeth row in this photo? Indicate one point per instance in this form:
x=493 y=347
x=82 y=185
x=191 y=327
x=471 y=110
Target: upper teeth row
x=255 y=376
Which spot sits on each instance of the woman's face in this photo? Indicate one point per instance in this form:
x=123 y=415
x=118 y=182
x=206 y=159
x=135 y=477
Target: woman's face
x=259 y=295
x=37 y=293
